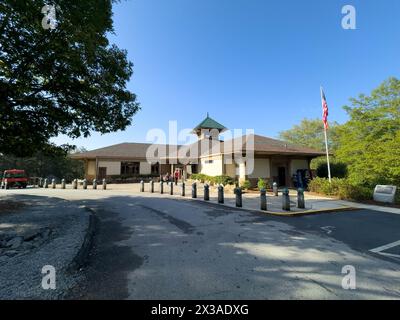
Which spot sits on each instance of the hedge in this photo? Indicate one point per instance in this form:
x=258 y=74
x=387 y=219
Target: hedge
x=338 y=170
x=246 y=185
x=225 y=180
x=341 y=188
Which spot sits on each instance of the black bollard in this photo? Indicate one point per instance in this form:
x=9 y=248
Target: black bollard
x=263 y=199
x=104 y=184
x=151 y=186
x=142 y=186
x=40 y=182
x=94 y=184
x=53 y=183
x=162 y=187
x=46 y=184
x=206 y=192
x=75 y=184
x=300 y=199
x=220 y=194
x=84 y=184
x=171 y=188
x=183 y=189
x=194 y=190
x=285 y=200
x=63 y=184
x=238 y=193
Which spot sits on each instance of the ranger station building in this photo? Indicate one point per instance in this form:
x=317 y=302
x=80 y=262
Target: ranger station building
x=271 y=159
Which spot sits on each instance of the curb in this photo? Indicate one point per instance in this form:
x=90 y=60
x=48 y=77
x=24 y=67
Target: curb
x=289 y=214
x=309 y=212
x=80 y=258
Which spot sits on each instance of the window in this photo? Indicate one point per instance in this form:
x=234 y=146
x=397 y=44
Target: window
x=130 y=168
x=209 y=161
x=155 y=169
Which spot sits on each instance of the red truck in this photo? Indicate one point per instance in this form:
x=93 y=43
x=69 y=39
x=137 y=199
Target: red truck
x=14 y=178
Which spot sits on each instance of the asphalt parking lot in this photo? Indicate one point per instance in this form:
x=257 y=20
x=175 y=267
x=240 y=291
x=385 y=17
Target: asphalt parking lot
x=362 y=230
x=156 y=247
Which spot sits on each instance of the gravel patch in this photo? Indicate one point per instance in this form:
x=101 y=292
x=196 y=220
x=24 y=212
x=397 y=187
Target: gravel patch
x=47 y=231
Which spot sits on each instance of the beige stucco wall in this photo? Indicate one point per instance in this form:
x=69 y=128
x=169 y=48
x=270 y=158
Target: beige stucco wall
x=261 y=169
x=91 y=167
x=242 y=172
x=297 y=164
x=230 y=170
x=212 y=169
x=113 y=167
x=145 y=168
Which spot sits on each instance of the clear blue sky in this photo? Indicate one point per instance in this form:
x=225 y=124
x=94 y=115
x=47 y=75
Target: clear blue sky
x=250 y=63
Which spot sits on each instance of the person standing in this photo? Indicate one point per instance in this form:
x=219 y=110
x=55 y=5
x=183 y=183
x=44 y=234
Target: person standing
x=176 y=176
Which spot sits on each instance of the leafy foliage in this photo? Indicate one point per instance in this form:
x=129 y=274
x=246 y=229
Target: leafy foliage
x=368 y=144
x=338 y=169
x=55 y=164
x=69 y=80
x=200 y=177
x=370 y=140
x=261 y=184
x=342 y=188
x=224 y=180
x=310 y=133
x=246 y=185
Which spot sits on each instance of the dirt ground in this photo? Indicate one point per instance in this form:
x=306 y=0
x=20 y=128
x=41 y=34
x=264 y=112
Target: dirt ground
x=9 y=206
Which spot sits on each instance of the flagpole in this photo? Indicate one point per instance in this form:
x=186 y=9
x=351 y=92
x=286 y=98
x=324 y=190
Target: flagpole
x=326 y=147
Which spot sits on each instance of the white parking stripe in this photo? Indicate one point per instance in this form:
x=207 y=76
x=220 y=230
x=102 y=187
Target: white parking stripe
x=385 y=247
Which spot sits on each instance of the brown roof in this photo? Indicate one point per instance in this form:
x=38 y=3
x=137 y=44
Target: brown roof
x=256 y=143
x=262 y=145
x=118 y=151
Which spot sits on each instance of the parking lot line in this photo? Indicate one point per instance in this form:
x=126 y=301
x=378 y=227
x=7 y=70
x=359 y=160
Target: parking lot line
x=386 y=247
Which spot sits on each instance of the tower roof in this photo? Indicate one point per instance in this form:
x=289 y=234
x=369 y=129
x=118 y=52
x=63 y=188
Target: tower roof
x=209 y=123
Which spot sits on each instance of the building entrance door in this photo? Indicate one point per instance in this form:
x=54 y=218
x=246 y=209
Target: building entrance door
x=102 y=173
x=281 y=176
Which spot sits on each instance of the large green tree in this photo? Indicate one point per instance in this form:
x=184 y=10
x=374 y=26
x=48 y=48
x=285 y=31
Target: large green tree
x=310 y=133
x=68 y=80
x=43 y=164
x=370 y=140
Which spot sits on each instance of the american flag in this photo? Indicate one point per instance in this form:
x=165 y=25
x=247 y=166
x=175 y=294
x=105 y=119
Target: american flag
x=324 y=109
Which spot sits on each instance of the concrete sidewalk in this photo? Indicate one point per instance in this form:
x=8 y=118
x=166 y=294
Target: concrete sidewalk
x=251 y=201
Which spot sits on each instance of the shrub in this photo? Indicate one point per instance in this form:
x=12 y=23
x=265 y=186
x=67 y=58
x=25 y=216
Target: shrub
x=322 y=185
x=199 y=176
x=338 y=170
x=342 y=188
x=225 y=180
x=355 y=192
x=261 y=184
x=246 y=185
